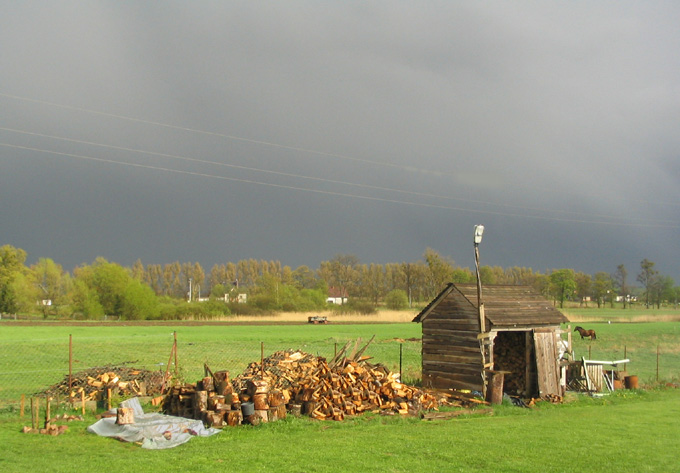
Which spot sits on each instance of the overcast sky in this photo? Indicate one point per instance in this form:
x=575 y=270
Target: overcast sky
x=295 y=131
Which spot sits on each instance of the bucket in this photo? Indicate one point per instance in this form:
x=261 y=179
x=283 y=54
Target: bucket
x=247 y=408
x=631 y=382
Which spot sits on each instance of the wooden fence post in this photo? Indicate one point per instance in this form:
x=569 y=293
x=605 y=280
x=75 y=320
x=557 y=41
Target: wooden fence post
x=70 y=365
x=175 y=345
x=401 y=377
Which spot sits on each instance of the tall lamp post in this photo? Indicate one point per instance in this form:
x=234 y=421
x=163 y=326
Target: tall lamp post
x=479 y=231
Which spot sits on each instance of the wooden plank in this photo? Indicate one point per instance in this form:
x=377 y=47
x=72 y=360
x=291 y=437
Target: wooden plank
x=451 y=358
x=429 y=348
x=450 y=335
x=453 y=369
x=436 y=343
x=545 y=345
x=446 y=381
x=453 y=324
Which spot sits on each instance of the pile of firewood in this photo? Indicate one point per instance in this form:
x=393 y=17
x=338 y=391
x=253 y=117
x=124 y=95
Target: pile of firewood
x=509 y=356
x=51 y=425
x=93 y=384
x=300 y=383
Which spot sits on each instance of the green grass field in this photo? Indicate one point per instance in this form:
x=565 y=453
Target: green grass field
x=644 y=344
x=35 y=357
x=619 y=314
x=629 y=431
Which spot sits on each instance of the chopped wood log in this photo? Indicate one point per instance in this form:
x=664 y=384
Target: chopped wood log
x=252 y=419
x=125 y=415
x=221 y=376
x=260 y=400
x=214 y=418
x=276 y=398
x=208 y=384
x=200 y=403
x=273 y=414
x=223 y=388
x=234 y=417
x=257 y=386
x=308 y=384
x=126 y=381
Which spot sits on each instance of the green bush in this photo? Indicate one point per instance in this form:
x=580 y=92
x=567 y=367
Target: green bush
x=353 y=306
x=139 y=302
x=244 y=309
x=167 y=311
x=396 y=299
x=202 y=310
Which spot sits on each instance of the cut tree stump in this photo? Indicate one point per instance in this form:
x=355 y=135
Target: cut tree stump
x=125 y=415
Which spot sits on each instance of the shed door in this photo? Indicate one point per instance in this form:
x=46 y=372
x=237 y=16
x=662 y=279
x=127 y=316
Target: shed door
x=547 y=365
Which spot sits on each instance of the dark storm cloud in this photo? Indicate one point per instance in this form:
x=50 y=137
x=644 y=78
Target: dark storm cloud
x=553 y=124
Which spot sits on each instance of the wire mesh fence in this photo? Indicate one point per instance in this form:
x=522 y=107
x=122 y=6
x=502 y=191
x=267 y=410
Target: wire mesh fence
x=33 y=367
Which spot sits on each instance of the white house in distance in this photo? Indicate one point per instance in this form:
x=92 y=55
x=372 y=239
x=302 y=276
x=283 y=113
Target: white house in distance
x=336 y=295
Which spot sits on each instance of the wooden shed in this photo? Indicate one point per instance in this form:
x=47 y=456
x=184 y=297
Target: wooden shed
x=519 y=338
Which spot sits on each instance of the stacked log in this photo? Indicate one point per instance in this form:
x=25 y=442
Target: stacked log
x=510 y=356
x=300 y=383
x=210 y=399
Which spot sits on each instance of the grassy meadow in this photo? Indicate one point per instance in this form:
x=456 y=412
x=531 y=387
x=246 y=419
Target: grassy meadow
x=35 y=357
x=630 y=431
x=618 y=314
x=583 y=434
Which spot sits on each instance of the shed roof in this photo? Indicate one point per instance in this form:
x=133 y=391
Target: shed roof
x=503 y=305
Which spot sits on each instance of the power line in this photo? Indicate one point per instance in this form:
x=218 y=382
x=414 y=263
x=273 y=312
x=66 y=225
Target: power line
x=318 y=179
x=267 y=143
x=217 y=134
x=339 y=194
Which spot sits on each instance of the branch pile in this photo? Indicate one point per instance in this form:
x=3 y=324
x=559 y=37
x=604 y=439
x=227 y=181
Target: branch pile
x=93 y=383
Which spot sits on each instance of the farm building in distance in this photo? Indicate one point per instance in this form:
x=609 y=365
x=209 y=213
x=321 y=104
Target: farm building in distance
x=519 y=338
x=337 y=295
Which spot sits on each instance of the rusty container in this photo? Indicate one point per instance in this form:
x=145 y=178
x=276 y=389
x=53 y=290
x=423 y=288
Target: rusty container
x=631 y=382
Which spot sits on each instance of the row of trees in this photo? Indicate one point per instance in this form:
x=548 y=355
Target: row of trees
x=167 y=291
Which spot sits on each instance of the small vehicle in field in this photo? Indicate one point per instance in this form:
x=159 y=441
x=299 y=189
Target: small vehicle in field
x=317 y=319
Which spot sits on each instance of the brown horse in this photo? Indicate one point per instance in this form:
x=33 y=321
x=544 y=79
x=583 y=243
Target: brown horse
x=586 y=333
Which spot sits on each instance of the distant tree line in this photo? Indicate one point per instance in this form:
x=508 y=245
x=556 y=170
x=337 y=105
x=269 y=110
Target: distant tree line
x=184 y=290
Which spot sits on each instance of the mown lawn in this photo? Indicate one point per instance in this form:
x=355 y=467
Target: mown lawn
x=631 y=431
x=33 y=358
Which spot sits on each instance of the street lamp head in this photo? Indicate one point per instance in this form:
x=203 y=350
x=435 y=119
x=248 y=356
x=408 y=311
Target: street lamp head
x=479 y=230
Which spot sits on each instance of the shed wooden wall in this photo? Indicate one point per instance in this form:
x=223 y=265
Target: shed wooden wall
x=451 y=354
